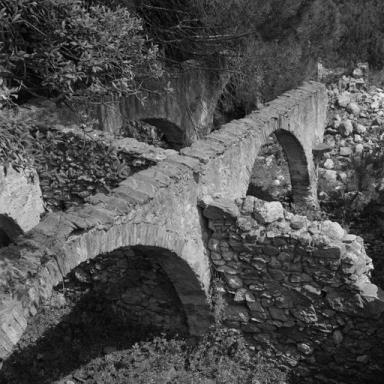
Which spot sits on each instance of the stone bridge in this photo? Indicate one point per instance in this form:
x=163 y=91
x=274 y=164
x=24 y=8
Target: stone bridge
x=181 y=106
x=159 y=211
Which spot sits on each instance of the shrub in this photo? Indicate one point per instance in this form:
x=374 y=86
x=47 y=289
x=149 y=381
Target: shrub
x=221 y=357
x=68 y=49
x=15 y=142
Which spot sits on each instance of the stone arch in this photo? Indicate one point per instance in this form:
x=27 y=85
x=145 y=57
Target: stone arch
x=9 y=230
x=176 y=255
x=298 y=165
x=174 y=135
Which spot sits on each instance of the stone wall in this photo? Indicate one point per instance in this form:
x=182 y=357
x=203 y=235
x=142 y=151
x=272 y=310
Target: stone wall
x=73 y=164
x=297 y=118
x=298 y=289
x=21 y=202
x=104 y=305
x=134 y=288
x=181 y=106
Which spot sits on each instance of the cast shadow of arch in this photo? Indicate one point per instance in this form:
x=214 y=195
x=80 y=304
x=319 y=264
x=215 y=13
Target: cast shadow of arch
x=79 y=334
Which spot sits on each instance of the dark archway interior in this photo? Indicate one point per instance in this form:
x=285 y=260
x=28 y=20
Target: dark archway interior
x=270 y=179
x=280 y=172
x=9 y=230
x=298 y=166
x=102 y=306
x=173 y=134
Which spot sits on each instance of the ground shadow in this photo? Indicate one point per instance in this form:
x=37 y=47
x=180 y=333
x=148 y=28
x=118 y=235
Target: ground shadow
x=83 y=322
x=87 y=332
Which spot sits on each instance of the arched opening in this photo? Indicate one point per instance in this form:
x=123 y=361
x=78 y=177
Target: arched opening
x=173 y=135
x=281 y=171
x=155 y=131
x=104 y=306
x=9 y=230
x=270 y=178
x=298 y=166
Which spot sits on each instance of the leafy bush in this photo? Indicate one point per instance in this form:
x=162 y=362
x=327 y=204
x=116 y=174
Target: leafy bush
x=15 y=141
x=221 y=357
x=67 y=48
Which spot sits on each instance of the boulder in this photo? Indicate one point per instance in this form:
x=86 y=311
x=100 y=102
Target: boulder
x=358 y=139
x=267 y=212
x=344 y=99
x=333 y=230
x=329 y=164
x=353 y=108
x=346 y=128
x=359 y=148
x=345 y=151
x=360 y=129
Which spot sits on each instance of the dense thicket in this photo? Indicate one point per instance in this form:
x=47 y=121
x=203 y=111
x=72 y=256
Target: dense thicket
x=266 y=46
x=69 y=49
x=93 y=47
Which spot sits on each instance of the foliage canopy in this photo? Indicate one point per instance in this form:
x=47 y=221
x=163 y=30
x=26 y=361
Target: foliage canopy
x=67 y=48
x=72 y=48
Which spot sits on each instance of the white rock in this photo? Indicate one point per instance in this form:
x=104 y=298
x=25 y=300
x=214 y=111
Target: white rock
x=333 y=230
x=343 y=177
x=330 y=175
x=375 y=105
x=329 y=164
x=336 y=121
x=357 y=139
x=360 y=129
x=344 y=99
x=353 y=108
x=268 y=212
x=345 y=151
x=357 y=73
x=346 y=128
x=359 y=148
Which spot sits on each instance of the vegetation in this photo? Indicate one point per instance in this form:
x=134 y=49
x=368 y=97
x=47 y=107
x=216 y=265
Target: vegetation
x=361 y=32
x=15 y=140
x=269 y=49
x=72 y=48
x=67 y=49
x=221 y=357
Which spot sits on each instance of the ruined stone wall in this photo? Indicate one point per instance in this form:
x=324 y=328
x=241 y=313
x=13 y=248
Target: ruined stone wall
x=132 y=286
x=181 y=105
x=73 y=164
x=298 y=289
